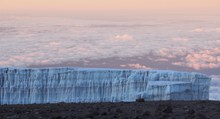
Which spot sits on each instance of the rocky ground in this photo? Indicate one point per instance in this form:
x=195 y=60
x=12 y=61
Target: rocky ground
x=122 y=110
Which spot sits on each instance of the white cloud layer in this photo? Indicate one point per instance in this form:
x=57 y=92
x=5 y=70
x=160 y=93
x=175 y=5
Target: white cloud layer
x=204 y=59
x=28 y=41
x=203 y=30
x=181 y=39
x=193 y=58
x=198 y=30
x=135 y=66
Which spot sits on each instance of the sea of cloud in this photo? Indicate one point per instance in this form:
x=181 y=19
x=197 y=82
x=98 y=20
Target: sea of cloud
x=29 y=41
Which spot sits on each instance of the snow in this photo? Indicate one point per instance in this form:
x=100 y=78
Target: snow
x=52 y=85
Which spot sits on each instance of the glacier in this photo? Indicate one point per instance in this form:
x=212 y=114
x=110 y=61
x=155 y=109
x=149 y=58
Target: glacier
x=72 y=84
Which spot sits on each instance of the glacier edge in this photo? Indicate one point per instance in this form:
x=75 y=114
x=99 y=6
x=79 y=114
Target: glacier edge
x=69 y=84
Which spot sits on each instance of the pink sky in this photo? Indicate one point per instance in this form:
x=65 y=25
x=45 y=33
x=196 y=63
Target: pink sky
x=109 y=6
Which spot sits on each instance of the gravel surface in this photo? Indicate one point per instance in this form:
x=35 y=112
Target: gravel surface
x=122 y=110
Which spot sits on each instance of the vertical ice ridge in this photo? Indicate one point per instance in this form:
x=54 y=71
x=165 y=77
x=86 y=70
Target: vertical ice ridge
x=51 y=85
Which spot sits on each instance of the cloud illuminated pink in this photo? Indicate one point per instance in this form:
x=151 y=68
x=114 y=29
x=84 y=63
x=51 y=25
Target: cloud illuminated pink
x=136 y=66
x=123 y=38
x=206 y=59
x=198 y=30
x=181 y=39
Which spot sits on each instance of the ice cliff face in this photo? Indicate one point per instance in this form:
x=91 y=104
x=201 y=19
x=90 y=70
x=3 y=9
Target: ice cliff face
x=51 y=85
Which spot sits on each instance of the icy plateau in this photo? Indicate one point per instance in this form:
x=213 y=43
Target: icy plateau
x=52 y=85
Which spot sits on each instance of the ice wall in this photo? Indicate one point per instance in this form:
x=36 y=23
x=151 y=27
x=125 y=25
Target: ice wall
x=52 y=85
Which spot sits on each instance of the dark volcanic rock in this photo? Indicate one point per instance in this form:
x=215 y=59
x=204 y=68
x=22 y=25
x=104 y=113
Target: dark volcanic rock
x=119 y=111
x=140 y=100
x=200 y=116
x=190 y=111
x=146 y=113
x=168 y=109
x=134 y=110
